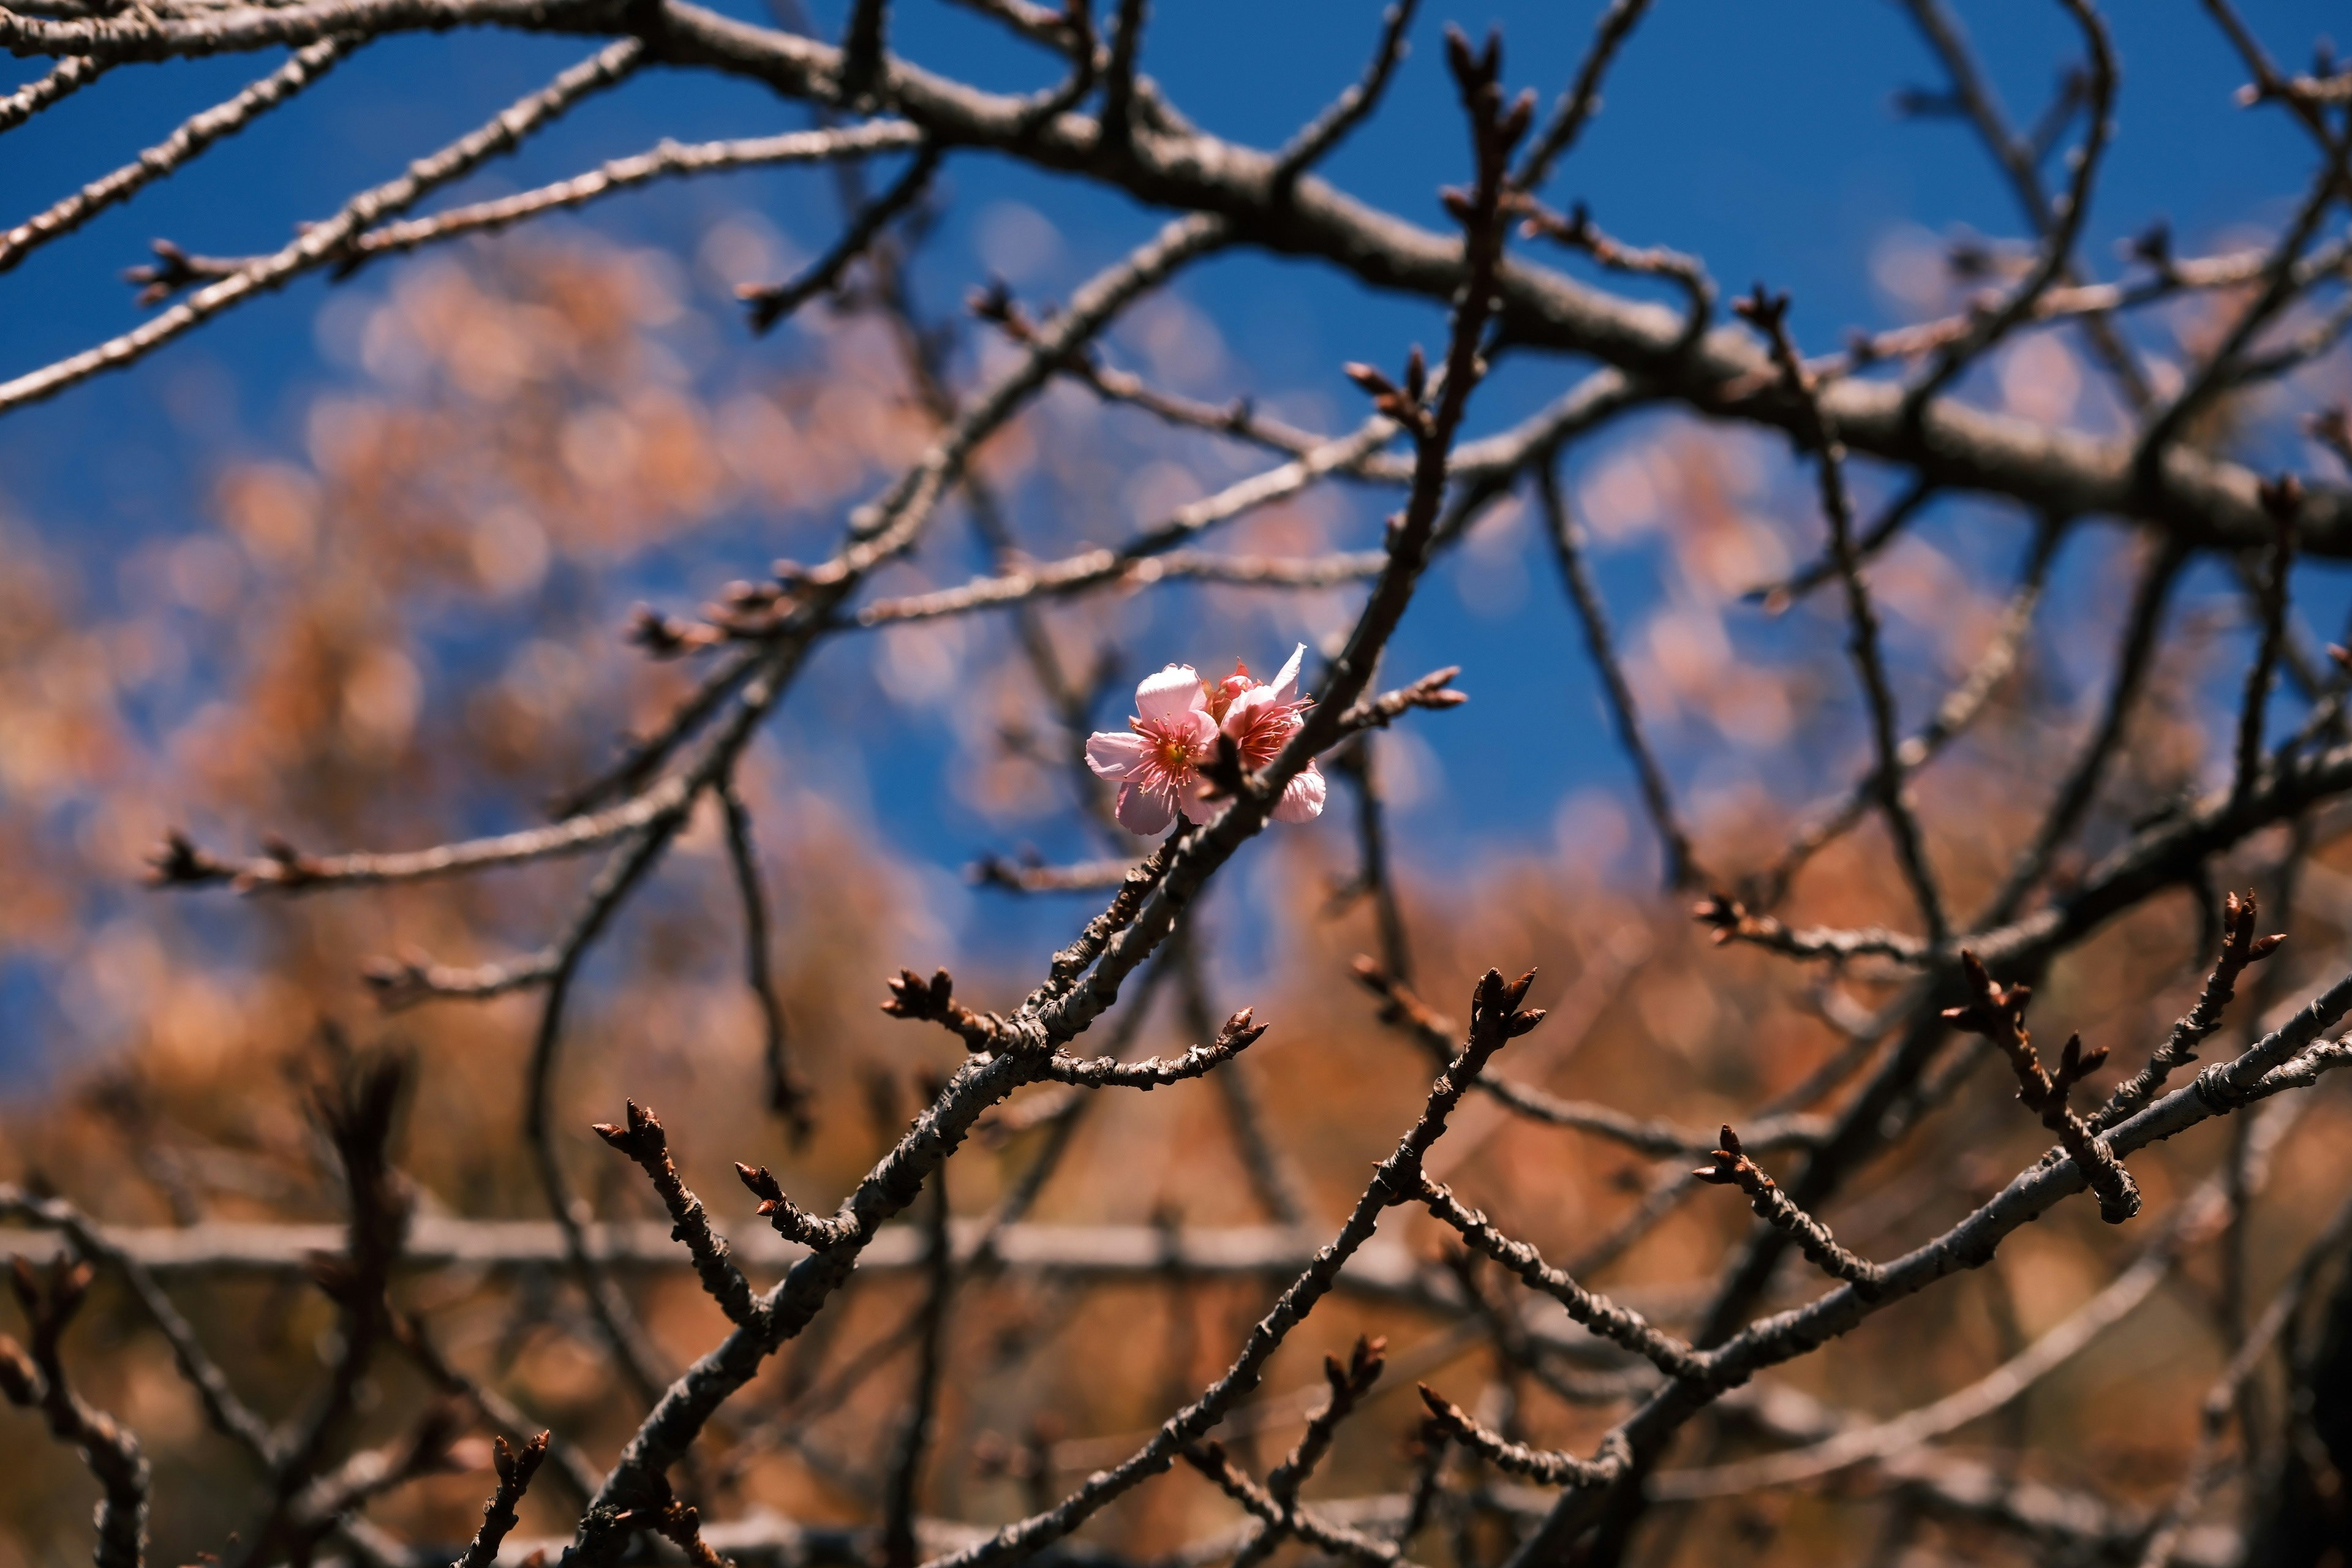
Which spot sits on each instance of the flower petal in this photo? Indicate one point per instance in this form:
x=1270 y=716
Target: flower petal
x=1246 y=710
x=1113 y=755
x=1163 y=696
x=1302 y=797
x=1143 y=811
x=1285 y=684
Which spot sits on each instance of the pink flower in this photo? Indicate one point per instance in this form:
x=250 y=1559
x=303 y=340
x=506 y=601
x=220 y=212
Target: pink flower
x=1261 y=719
x=1157 y=763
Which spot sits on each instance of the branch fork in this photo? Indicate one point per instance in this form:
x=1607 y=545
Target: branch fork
x=1997 y=1013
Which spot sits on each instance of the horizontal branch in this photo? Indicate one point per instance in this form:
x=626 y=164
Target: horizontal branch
x=2202 y=501
x=438 y=1242
x=671 y=160
x=285 y=869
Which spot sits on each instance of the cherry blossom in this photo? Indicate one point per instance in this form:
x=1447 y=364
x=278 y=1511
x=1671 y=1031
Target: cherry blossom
x=1157 y=763
x=1261 y=718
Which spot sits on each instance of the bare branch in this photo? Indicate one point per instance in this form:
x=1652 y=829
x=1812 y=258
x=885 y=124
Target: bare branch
x=63 y=79
x=184 y=144
x=773 y=302
x=2240 y=948
x=1535 y=1464
x=1732 y=1167
x=325 y=243
x=1681 y=867
x=671 y=160
x=515 y=1471
x=1997 y=1013
x=1769 y=314
x=38 y=1382
x=643 y=1140
x=1581 y=101
x=788 y=1097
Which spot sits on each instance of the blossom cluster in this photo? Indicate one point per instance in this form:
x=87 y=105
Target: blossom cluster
x=1157 y=763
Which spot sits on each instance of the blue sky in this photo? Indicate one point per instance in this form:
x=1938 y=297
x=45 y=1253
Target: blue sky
x=1761 y=137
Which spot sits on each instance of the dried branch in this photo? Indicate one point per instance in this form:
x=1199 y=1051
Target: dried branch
x=1349 y=1382
x=2061 y=223
x=2240 y=948
x=787 y=1095
x=1732 y=1167
x=1430 y=692
x=282 y=869
x=1540 y=1465
x=38 y=1382
x=1086 y=877
x=356 y=1105
x=671 y=160
x=1235 y=1036
x=2221 y=1089
x=642 y=1139
x=1595 y=1312
x=1769 y=314
x=772 y=302
x=1309 y=146
x=1357 y=765
x=515 y=1471
x=222 y=1408
x=409 y=1332
x=1496 y=1019
x=1435 y=1033
x=400 y=982
x=2198 y=498
x=2194 y=1220
x=327 y=1504
x=2134 y=663
x=1210 y=1458
x=2283 y=499
x=193 y=137
x=2164 y=1540
x=62 y=80
x=1119 y=97
x=899 y=1549
x=1681 y=867
x=1583 y=100
x=1728 y=920
x=1152 y=557
x=861 y=49
x=1578 y=233
x=325 y=243
x=1272 y=1180
x=2280 y=287
x=1960 y=709
x=1997 y=1013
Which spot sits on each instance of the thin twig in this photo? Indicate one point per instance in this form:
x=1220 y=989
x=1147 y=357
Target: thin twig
x=1769 y=314
x=182 y=146
x=1681 y=867
x=325 y=243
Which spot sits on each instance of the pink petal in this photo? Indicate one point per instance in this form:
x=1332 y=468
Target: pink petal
x=1144 y=811
x=1113 y=755
x=1302 y=797
x=1169 y=693
x=1285 y=684
x=1246 y=707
